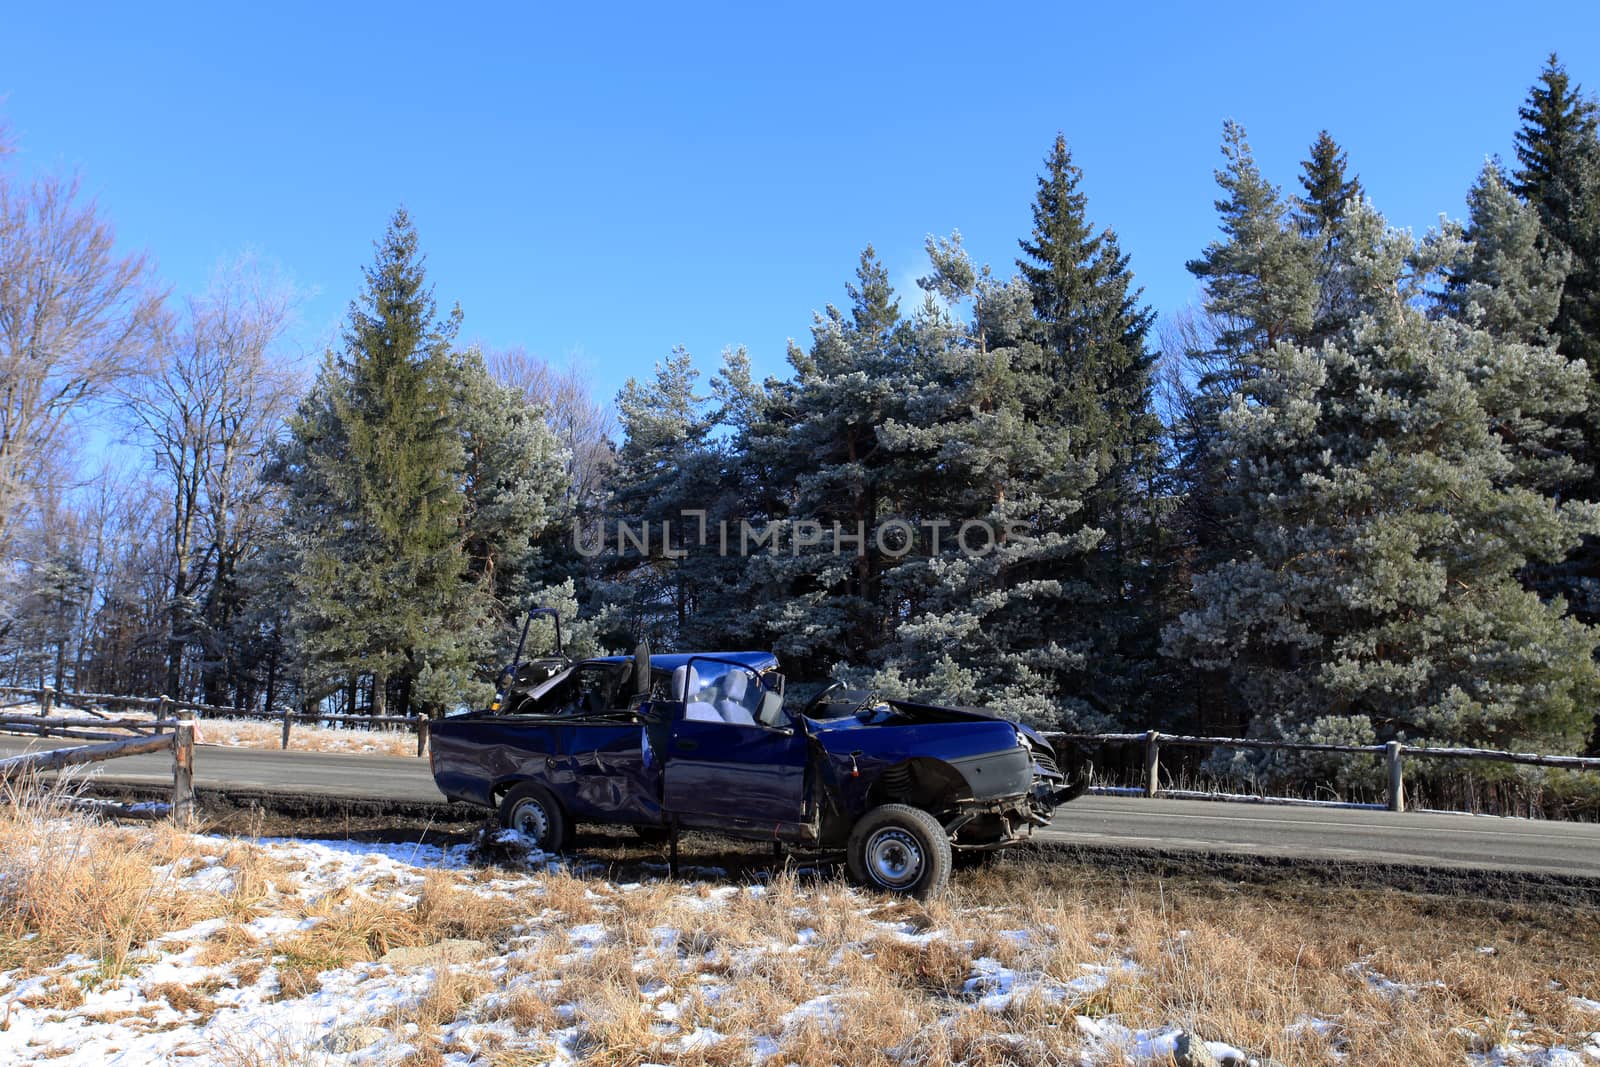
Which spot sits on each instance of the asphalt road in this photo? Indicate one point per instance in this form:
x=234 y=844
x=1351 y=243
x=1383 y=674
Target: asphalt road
x=1447 y=841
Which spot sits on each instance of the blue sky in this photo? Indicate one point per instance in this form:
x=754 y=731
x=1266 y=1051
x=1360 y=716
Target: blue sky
x=601 y=184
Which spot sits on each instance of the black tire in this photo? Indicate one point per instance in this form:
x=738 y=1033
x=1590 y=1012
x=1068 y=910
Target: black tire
x=535 y=812
x=653 y=835
x=899 y=849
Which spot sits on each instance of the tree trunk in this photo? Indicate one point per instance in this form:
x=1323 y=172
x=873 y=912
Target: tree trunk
x=272 y=676
x=380 y=695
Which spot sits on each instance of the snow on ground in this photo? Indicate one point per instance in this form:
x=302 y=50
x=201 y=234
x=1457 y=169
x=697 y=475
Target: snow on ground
x=181 y=1001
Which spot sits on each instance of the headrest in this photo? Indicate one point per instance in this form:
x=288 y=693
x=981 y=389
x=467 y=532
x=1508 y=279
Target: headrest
x=735 y=685
x=680 y=683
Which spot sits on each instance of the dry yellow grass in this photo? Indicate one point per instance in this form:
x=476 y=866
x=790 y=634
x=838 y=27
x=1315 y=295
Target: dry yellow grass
x=70 y=885
x=245 y=733
x=811 y=972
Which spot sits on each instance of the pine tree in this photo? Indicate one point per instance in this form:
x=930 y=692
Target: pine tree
x=1377 y=595
x=663 y=468
x=820 y=439
x=1558 y=152
x=1261 y=278
x=512 y=485
x=1500 y=275
x=1501 y=270
x=1261 y=289
x=374 y=469
x=1001 y=610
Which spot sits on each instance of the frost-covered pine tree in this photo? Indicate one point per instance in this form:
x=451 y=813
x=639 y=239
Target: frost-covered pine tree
x=1500 y=270
x=1375 y=595
x=664 y=467
x=816 y=459
x=1002 y=612
x=1261 y=288
x=1500 y=274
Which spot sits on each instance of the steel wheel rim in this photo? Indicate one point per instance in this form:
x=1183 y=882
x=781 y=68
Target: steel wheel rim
x=894 y=857
x=530 y=820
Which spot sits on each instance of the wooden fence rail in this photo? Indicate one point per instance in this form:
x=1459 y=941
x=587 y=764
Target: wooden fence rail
x=48 y=698
x=1394 y=753
x=180 y=742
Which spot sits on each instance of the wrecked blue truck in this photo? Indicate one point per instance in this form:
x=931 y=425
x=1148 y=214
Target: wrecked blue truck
x=704 y=741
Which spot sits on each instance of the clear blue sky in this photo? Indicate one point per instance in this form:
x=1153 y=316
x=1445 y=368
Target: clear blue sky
x=606 y=183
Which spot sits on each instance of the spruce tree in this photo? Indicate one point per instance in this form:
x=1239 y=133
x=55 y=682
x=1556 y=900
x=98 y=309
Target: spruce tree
x=1317 y=212
x=373 y=469
x=1091 y=383
x=1322 y=205
x=1559 y=174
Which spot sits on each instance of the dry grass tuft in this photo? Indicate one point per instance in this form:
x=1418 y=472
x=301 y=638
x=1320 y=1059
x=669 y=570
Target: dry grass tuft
x=446 y=909
x=69 y=885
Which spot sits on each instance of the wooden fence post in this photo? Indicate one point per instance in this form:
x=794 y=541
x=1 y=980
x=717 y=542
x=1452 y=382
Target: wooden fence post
x=47 y=696
x=1397 y=784
x=162 y=710
x=422 y=735
x=286 y=721
x=1152 y=763
x=183 y=773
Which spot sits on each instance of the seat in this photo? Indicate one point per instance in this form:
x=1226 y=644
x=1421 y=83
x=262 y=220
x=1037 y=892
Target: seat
x=731 y=705
x=686 y=690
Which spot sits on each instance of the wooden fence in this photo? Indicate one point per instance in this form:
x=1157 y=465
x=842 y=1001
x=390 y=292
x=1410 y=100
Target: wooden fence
x=147 y=735
x=1394 y=754
x=163 y=707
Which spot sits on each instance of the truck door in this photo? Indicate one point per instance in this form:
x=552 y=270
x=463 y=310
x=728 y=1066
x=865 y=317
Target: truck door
x=724 y=768
x=604 y=763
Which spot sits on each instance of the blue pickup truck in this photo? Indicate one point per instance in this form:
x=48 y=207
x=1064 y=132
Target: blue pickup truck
x=704 y=741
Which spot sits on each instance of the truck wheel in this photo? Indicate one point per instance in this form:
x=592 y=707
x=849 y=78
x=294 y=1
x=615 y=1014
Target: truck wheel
x=901 y=849
x=533 y=812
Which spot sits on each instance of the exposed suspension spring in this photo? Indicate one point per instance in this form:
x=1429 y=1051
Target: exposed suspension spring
x=896 y=782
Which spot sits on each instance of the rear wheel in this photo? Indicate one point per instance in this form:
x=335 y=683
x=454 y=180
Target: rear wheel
x=899 y=849
x=534 y=812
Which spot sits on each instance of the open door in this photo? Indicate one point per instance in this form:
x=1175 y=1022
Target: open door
x=734 y=761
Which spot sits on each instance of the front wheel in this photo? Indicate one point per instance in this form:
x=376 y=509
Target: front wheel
x=534 y=812
x=900 y=849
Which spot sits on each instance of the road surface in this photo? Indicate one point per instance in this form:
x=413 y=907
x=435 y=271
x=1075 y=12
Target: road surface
x=1344 y=834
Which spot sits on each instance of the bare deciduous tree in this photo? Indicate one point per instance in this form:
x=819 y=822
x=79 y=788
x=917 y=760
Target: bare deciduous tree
x=584 y=426
x=208 y=415
x=75 y=320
